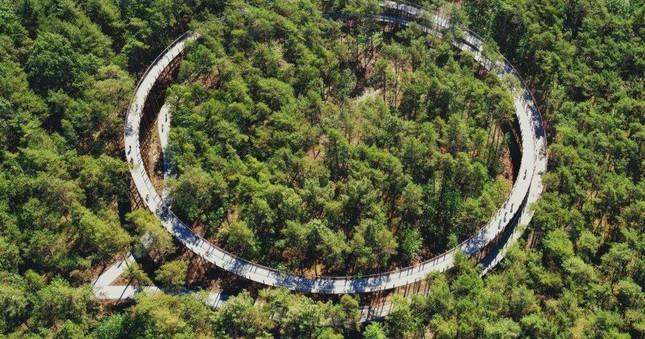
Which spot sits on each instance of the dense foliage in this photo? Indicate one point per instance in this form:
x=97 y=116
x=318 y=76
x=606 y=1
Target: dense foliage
x=67 y=70
x=304 y=142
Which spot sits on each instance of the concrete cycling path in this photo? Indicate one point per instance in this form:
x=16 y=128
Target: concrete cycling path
x=525 y=190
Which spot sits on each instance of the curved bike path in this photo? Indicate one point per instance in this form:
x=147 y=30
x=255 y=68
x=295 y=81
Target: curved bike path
x=526 y=188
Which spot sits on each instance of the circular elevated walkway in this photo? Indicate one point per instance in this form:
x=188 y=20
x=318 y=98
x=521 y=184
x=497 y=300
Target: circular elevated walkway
x=510 y=217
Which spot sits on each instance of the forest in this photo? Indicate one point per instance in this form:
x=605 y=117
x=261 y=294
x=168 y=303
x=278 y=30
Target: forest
x=322 y=146
x=391 y=149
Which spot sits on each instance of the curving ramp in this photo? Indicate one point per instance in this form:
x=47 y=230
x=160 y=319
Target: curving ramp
x=510 y=217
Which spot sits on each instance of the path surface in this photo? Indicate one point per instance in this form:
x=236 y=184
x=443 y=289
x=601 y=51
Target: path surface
x=514 y=212
x=103 y=288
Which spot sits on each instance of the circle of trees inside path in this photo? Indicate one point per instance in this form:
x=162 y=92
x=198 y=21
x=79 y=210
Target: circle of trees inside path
x=503 y=229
